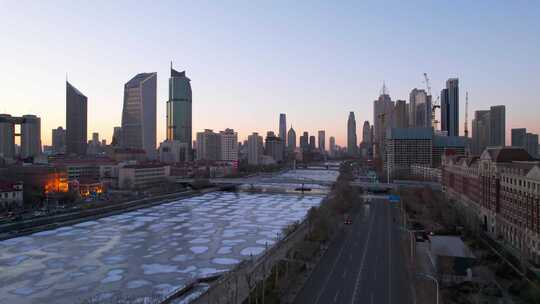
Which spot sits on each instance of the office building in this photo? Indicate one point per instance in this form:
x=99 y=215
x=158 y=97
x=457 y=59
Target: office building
x=312 y=141
x=76 y=121
x=304 y=141
x=255 y=148
x=333 y=149
x=208 y=145
x=480 y=131
x=322 y=140
x=174 y=151
x=291 y=140
x=30 y=136
x=351 y=134
x=450 y=107
x=366 y=133
x=518 y=137
x=497 y=126
x=406 y=147
x=401 y=115
x=283 y=127
x=229 y=145
x=273 y=147
x=116 y=140
x=419 y=110
x=59 y=140
x=142 y=176
x=531 y=144
x=139 y=114
x=7 y=136
x=383 y=119
x=179 y=108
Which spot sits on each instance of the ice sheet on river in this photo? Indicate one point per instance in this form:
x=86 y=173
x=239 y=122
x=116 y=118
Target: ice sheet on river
x=145 y=252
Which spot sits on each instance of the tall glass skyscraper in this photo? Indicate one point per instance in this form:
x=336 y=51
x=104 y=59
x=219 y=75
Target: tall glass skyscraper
x=351 y=134
x=450 y=107
x=76 y=121
x=139 y=114
x=179 y=108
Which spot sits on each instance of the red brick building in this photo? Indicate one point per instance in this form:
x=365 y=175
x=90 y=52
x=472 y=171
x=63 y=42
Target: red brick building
x=502 y=188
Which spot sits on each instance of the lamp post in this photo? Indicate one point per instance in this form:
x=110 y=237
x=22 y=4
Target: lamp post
x=425 y=275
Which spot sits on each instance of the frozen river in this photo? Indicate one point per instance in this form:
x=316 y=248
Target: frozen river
x=150 y=251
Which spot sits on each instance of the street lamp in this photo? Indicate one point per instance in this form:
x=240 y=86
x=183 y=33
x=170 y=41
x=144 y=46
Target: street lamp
x=425 y=275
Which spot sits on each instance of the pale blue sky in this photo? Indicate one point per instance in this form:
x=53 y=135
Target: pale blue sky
x=251 y=60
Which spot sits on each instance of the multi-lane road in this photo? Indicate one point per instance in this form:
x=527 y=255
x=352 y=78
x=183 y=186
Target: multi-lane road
x=364 y=264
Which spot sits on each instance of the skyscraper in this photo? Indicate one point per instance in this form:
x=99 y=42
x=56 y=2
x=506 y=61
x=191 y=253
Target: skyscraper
x=383 y=109
x=322 y=140
x=419 y=110
x=7 y=136
x=531 y=144
x=366 y=130
x=450 y=107
x=291 y=139
x=283 y=127
x=59 y=140
x=518 y=137
x=401 y=116
x=312 y=140
x=480 y=131
x=273 y=146
x=332 y=141
x=30 y=136
x=179 y=110
x=351 y=134
x=139 y=114
x=117 y=137
x=76 y=121
x=497 y=126
x=255 y=148
x=304 y=141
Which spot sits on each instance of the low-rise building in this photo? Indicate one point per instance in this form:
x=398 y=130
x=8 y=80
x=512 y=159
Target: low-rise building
x=142 y=176
x=11 y=195
x=502 y=189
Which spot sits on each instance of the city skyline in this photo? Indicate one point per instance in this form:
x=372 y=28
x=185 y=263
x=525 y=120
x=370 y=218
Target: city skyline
x=227 y=89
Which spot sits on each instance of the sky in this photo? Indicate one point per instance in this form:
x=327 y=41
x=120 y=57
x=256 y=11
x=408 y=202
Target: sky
x=248 y=61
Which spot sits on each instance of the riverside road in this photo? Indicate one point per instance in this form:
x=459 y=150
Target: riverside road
x=364 y=264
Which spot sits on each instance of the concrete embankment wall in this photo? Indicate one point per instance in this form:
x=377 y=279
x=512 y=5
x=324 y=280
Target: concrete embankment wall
x=235 y=286
x=27 y=227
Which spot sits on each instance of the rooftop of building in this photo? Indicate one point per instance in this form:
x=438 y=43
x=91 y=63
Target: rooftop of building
x=8 y=186
x=453 y=246
x=146 y=166
x=506 y=154
x=410 y=133
x=138 y=79
x=69 y=85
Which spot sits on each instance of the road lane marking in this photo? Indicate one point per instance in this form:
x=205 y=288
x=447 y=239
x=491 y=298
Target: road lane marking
x=333 y=267
x=356 y=283
x=371 y=298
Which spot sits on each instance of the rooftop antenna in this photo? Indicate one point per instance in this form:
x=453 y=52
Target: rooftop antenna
x=384 y=90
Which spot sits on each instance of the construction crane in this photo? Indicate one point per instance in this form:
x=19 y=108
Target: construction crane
x=466 y=114
x=434 y=120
